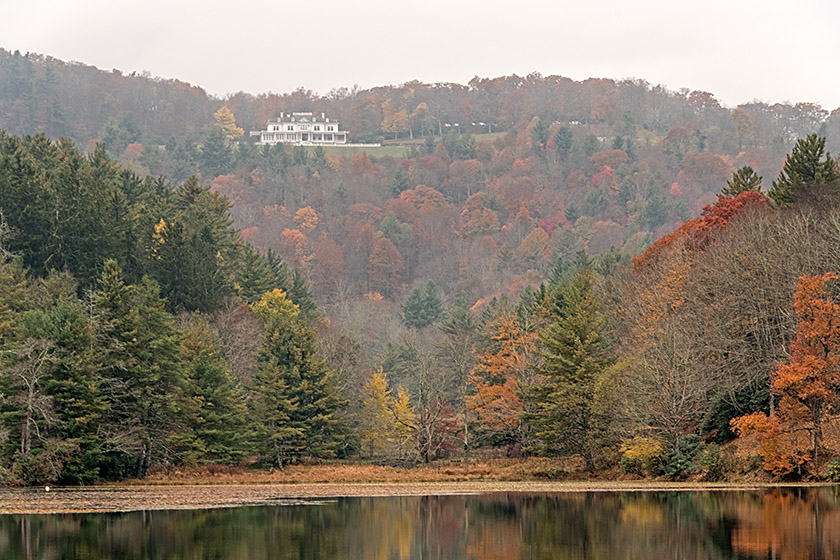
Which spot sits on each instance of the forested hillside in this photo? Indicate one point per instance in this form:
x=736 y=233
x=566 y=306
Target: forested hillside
x=174 y=294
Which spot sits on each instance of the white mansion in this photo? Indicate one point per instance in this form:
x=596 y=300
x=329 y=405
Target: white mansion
x=301 y=129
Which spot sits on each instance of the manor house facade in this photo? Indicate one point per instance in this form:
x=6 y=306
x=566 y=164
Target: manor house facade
x=301 y=129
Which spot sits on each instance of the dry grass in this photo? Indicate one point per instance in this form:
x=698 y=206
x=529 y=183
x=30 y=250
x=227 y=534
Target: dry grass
x=530 y=469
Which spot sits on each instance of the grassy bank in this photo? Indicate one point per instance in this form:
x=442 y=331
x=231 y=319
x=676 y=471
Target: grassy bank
x=533 y=469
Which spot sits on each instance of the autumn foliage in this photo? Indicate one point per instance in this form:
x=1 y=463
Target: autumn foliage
x=497 y=379
x=695 y=234
x=807 y=385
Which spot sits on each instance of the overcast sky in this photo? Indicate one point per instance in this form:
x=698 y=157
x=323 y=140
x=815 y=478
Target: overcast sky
x=739 y=50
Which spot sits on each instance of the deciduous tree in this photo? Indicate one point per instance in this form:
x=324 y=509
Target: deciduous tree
x=807 y=385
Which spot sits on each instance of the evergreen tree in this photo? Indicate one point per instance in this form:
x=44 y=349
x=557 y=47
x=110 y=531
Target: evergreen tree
x=255 y=275
x=14 y=297
x=575 y=356
x=540 y=134
x=400 y=182
x=743 y=180
x=193 y=254
x=214 y=406
x=76 y=406
x=299 y=395
x=216 y=155
x=421 y=309
x=140 y=365
x=807 y=166
x=559 y=271
x=563 y=140
x=294 y=284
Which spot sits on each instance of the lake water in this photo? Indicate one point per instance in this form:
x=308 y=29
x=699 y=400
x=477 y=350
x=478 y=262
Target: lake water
x=775 y=523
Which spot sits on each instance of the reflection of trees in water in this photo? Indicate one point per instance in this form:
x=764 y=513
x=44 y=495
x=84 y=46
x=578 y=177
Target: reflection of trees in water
x=780 y=523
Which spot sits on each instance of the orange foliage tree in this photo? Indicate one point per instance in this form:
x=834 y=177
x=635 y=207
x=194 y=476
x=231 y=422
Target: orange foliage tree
x=807 y=385
x=497 y=380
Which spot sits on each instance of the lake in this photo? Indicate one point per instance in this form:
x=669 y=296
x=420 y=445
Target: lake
x=767 y=523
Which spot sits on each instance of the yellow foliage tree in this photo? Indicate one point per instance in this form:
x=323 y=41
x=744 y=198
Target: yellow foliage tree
x=394 y=120
x=227 y=122
x=387 y=427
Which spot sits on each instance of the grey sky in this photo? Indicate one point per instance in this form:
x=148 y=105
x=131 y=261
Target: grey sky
x=739 y=50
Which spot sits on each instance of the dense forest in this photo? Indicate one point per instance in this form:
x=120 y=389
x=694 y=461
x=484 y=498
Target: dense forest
x=172 y=293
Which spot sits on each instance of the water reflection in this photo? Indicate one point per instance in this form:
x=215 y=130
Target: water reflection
x=777 y=523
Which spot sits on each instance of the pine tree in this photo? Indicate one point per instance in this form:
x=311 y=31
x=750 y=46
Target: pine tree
x=743 y=180
x=255 y=275
x=216 y=415
x=70 y=382
x=140 y=367
x=14 y=297
x=216 y=155
x=804 y=169
x=421 y=309
x=281 y=439
x=299 y=394
x=563 y=140
x=293 y=284
x=194 y=253
x=575 y=355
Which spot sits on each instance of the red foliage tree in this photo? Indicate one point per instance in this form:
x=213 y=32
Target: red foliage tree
x=386 y=268
x=695 y=234
x=328 y=272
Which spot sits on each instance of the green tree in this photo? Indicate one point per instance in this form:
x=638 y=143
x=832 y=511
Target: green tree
x=743 y=180
x=193 y=253
x=294 y=284
x=140 y=368
x=216 y=155
x=214 y=406
x=807 y=166
x=119 y=133
x=563 y=140
x=540 y=134
x=575 y=356
x=255 y=275
x=298 y=394
x=421 y=309
x=70 y=446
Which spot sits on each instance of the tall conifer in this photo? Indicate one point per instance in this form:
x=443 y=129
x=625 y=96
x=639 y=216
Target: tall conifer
x=575 y=355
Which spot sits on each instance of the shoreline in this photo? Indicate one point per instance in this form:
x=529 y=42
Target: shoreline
x=158 y=497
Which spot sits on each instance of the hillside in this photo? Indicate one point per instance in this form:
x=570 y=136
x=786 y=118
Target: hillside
x=418 y=297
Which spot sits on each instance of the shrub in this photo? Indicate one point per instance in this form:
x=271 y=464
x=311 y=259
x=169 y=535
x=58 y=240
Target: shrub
x=832 y=471
x=640 y=455
x=712 y=463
